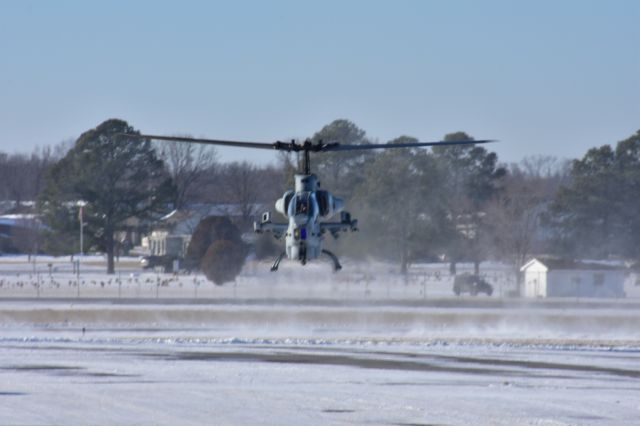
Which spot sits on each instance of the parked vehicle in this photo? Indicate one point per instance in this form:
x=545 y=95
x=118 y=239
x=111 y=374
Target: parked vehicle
x=151 y=262
x=472 y=284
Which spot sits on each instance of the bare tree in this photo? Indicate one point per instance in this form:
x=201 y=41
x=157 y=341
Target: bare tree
x=242 y=184
x=16 y=178
x=22 y=175
x=514 y=216
x=42 y=159
x=541 y=166
x=514 y=219
x=288 y=167
x=188 y=165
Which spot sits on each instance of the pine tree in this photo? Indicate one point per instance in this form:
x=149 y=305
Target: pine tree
x=116 y=176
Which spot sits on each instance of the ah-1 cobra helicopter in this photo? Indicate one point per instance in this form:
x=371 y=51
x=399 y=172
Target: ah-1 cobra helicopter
x=307 y=206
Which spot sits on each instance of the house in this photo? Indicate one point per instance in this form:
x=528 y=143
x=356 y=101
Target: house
x=566 y=278
x=19 y=233
x=14 y=207
x=171 y=234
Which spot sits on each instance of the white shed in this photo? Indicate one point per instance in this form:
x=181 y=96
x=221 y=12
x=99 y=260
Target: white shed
x=564 y=278
x=632 y=284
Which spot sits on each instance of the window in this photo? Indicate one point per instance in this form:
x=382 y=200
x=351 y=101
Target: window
x=302 y=204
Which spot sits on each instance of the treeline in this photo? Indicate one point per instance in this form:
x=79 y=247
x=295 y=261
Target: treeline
x=198 y=178
x=447 y=203
x=22 y=175
x=454 y=203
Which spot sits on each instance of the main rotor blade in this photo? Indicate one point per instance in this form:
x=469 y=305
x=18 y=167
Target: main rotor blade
x=260 y=145
x=341 y=147
x=306 y=146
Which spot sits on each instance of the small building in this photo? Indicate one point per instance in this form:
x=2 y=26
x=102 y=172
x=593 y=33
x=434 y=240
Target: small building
x=567 y=278
x=632 y=284
x=20 y=233
x=171 y=234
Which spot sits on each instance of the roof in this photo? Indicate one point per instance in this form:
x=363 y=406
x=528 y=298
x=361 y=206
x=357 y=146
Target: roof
x=563 y=264
x=200 y=211
x=20 y=220
x=635 y=266
x=184 y=221
x=8 y=206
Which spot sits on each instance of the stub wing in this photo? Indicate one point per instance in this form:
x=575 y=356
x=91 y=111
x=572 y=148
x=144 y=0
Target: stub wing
x=265 y=225
x=345 y=224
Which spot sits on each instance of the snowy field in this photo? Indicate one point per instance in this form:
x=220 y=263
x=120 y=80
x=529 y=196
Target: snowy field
x=305 y=346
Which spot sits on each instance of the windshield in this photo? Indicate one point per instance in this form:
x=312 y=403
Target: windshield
x=303 y=204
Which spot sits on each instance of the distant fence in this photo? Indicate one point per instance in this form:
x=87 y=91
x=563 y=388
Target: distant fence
x=355 y=281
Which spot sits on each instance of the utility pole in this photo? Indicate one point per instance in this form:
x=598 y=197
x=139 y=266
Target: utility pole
x=81 y=205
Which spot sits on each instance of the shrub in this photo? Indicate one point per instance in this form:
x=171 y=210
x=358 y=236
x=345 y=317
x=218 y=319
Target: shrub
x=209 y=230
x=223 y=261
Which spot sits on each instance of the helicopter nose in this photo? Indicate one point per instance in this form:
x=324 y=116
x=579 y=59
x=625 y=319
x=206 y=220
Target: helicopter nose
x=296 y=246
x=297 y=251
x=293 y=251
x=300 y=234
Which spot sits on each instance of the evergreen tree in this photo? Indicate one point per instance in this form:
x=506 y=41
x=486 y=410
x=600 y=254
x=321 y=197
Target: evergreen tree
x=340 y=172
x=118 y=177
x=398 y=204
x=471 y=177
x=598 y=213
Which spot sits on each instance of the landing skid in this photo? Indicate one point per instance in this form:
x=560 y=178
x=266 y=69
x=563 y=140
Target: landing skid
x=274 y=268
x=334 y=258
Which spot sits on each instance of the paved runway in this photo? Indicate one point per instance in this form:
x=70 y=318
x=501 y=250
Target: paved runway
x=315 y=364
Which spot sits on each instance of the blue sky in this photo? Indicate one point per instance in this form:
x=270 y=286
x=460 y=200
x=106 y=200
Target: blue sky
x=543 y=77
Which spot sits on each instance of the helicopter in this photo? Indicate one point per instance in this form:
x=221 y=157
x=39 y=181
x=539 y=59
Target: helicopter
x=307 y=207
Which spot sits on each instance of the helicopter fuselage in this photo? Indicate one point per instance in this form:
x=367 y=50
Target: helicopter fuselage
x=305 y=208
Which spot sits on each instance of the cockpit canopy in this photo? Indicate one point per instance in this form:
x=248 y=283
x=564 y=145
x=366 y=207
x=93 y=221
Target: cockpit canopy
x=303 y=207
x=310 y=204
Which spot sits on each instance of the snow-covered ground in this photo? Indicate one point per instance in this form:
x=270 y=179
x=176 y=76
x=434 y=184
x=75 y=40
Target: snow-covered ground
x=305 y=347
